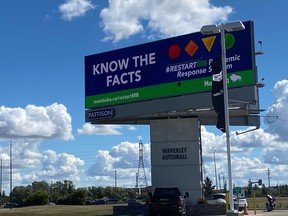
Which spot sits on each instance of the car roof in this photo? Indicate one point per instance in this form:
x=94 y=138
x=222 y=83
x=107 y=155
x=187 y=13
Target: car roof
x=222 y=194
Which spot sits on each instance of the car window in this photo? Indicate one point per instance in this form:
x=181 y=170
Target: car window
x=219 y=196
x=210 y=197
x=167 y=192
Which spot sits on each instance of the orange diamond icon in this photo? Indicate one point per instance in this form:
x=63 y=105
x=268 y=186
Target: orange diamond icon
x=191 y=48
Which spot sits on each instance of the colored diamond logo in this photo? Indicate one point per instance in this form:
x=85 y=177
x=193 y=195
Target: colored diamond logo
x=191 y=48
x=208 y=42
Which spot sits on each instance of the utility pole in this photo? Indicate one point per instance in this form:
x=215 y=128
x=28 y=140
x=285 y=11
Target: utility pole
x=215 y=171
x=219 y=181
x=1 y=171
x=11 y=174
x=141 y=180
x=115 y=178
x=268 y=178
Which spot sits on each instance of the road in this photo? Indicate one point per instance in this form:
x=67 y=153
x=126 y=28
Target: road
x=272 y=213
x=262 y=212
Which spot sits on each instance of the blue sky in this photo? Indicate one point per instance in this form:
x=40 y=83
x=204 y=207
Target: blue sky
x=42 y=49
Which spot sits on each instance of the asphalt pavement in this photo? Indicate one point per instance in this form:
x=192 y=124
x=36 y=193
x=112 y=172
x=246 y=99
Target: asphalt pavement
x=262 y=212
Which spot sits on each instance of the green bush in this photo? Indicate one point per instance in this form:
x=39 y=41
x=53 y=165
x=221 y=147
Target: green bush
x=201 y=201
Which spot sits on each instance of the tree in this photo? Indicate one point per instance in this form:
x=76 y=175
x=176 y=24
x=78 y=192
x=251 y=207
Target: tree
x=20 y=194
x=108 y=191
x=96 y=192
x=78 y=197
x=65 y=188
x=111 y=192
x=40 y=186
x=264 y=189
x=69 y=186
x=38 y=198
x=208 y=187
x=61 y=189
x=225 y=185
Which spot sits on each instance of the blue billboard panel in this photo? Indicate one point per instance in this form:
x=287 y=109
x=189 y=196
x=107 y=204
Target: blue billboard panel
x=175 y=66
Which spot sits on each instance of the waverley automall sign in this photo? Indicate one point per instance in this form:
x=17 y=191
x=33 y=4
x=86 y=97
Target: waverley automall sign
x=166 y=68
x=174 y=154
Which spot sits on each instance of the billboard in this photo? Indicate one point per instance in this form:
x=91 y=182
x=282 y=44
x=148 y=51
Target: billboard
x=167 y=68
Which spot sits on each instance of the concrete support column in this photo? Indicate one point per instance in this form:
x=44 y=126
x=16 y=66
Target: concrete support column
x=176 y=156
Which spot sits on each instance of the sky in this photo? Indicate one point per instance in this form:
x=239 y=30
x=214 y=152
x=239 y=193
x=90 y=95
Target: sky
x=42 y=113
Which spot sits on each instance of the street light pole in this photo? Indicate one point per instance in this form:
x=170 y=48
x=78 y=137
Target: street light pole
x=212 y=29
x=226 y=111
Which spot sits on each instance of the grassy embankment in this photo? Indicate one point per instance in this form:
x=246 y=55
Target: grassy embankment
x=107 y=210
x=62 y=210
x=281 y=202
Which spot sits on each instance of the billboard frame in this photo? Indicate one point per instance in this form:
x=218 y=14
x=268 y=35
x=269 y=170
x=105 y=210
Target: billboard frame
x=243 y=103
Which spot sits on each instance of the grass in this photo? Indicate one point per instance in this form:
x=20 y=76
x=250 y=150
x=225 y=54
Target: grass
x=281 y=202
x=62 y=210
x=107 y=210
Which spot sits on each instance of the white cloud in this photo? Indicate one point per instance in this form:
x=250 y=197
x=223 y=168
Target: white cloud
x=25 y=154
x=248 y=162
x=51 y=122
x=30 y=164
x=75 y=8
x=90 y=129
x=276 y=156
x=278 y=122
x=131 y=127
x=60 y=165
x=252 y=154
x=55 y=167
x=124 y=159
x=103 y=165
x=122 y=19
x=127 y=154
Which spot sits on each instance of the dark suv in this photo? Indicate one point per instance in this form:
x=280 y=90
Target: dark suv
x=167 y=201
